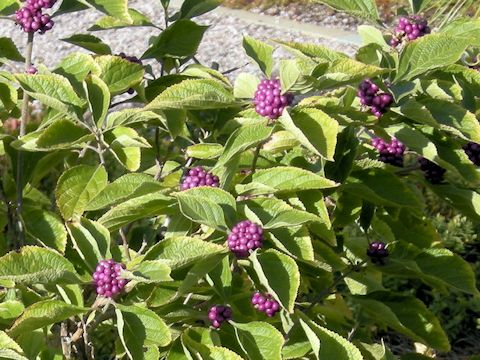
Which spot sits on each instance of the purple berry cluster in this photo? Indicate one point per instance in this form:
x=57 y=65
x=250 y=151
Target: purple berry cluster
x=389 y=153
x=369 y=95
x=245 y=237
x=132 y=59
x=269 y=101
x=433 y=173
x=265 y=303
x=377 y=251
x=32 y=70
x=218 y=314
x=107 y=278
x=473 y=152
x=198 y=176
x=409 y=28
x=31 y=18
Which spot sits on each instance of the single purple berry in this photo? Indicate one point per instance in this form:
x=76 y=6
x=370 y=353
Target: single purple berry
x=377 y=251
x=265 y=303
x=32 y=70
x=219 y=314
x=473 y=152
x=198 y=176
x=433 y=173
x=269 y=100
x=245 y=237
x=107 y=279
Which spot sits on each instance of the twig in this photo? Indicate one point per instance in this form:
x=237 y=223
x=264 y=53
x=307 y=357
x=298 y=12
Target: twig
x=255 y=157
x=125 y=244
x=328 y=290
x=100 y=153
x=20 y=157
x=66 y=341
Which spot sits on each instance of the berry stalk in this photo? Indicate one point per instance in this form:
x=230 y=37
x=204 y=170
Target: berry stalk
x=20 y=238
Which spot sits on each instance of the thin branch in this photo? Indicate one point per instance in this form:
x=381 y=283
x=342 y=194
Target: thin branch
x=255 y=157
x=328 y=290
x=20 y=157
x=66 y=341
x=126 y=250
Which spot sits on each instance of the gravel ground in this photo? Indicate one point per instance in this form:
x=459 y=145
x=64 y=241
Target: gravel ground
x=323 y=15
x=222 y=41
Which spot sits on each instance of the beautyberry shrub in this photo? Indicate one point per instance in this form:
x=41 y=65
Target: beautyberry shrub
x=265 y=303
x=389 y=153
x=369 y=95
x=245 y=237
x=409 y=28
x=377 y=251
x=198 y=176
x=31 y=18
x=269 y=101
x=473 y=152
x=107 y=279
x=433 y=173
x=218 y=314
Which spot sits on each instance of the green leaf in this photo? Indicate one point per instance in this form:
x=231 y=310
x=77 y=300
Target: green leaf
x=42 y=314
x=137 y=208
x=35 y=265
x=314 y=129
x=327 y=344
x=8 y=49
x=372 y=35
x=204 y=151
x=52 y=90
x=10 y=309
x=290 y=179
x=194 y=95
x=98 y=98
x=7 y=342
x=77 y=186
x=275 y=213
x=207 y=205
x=406 y=315
x=45 y=227
x=119 y=74
x=193 y=8
x=279 y=274
x=139 y=327
x=91 y=240
x=312 y=51
x=89 y=42
x=178 y=252
x=111 y=22
x=125 y=187
x=259 y=340
x=179 y=40
x=289 y=74
x=365 y=9
x=465 y=200
x=242 y=139
x=126 y=144
x=8 y=7
x=62 y=134
x=114 y=8
x=428 y=53
x=8 y=95
x=149 y=271
x=437 y=263
x=76 y=67
x=129 y=117
x=380 y=187
x=466 y=27
x=259 y=52
x=245 y=86
x=281 y=141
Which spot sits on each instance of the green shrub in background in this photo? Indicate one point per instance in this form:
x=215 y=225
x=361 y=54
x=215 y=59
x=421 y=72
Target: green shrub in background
x=201 y=226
